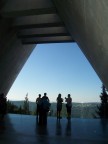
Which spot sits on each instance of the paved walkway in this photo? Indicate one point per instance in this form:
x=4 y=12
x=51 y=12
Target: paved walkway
x=23 y=129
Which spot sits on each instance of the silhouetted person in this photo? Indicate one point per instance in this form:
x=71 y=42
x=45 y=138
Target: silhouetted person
x=59 y=106
x=38 y=102
x=3 y=105
x=68 y=101
x=45 y=105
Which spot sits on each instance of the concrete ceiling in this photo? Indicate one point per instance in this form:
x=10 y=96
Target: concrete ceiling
x=25 y=23
x=36 y=21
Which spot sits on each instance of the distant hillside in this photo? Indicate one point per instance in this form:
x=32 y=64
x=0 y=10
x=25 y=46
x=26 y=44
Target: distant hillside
x=79 y=110
x=82 y=110
x=32 y=105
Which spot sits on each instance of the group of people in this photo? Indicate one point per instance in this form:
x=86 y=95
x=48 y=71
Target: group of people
x=68 y=101
x=43 y=107
x=3 y=106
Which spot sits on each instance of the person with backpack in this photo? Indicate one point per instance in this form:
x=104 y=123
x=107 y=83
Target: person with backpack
x=68 y=101
x=44 y=109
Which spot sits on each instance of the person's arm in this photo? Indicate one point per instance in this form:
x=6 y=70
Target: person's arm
x=48 y=99
x=62 y=99
x=37 y=100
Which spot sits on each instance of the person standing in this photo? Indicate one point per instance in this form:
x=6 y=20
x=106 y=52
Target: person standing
x=68 y=101
x=3 y=105
x=38 y=102
x=59 y=106
x=45 y=106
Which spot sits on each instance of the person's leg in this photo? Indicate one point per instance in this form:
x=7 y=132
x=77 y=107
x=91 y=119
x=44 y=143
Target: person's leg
x=37 y=111
x=40 y=116
x=44 y=117
x=57 y=113
x=67 y=112
x=60 y=115
x=60 y=111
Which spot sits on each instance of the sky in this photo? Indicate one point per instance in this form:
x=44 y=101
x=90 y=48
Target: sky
x=57 y=68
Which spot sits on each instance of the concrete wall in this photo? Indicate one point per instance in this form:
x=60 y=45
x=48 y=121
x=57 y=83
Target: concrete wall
x=87 y=22
x=13 y=55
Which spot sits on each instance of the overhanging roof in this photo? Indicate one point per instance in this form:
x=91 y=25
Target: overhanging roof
x=36 y=21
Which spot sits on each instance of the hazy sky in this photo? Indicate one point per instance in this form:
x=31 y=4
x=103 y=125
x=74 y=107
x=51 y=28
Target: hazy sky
x=57 y=68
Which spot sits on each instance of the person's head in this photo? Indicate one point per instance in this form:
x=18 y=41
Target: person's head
x=39 y=95
x=68 y=95
x=59 y=95
x=45 y=94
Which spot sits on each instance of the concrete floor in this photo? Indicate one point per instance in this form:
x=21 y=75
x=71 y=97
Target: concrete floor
x=23 y=129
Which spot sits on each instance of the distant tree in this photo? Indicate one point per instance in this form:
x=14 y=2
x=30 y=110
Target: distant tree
x=26 y=105
x=103 y=107
x=21 y=110
x=11 y=108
